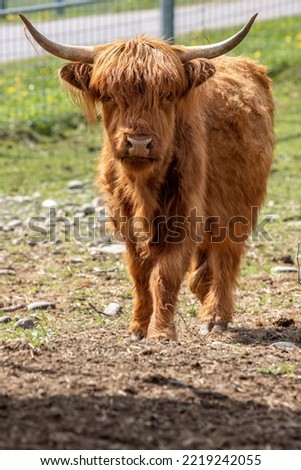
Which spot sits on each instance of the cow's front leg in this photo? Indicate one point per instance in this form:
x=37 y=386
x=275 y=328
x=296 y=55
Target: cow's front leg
x=165 y=283
x=140 y=271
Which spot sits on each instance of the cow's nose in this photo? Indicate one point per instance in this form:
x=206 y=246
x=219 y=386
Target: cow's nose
x=139 y=146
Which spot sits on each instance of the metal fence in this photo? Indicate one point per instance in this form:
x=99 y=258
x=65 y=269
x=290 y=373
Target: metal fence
x=28 y=84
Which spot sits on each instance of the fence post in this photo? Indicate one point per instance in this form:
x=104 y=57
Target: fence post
x=60 y=8
x=3 y=5
x=167 y=20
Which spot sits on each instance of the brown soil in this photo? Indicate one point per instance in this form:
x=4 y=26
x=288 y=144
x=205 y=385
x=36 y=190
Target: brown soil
x=96 y=389
x=86 y=385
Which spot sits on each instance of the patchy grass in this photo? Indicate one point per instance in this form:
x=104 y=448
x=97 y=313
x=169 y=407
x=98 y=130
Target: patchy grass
x=278 y=369
x=45 y=156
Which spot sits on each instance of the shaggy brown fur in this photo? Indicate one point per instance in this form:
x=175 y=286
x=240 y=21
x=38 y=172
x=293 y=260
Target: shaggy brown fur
x=186 y=200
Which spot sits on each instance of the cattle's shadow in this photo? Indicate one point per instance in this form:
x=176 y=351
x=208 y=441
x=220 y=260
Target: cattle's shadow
x=267 y=336
x=203 y=420
x=259 y=335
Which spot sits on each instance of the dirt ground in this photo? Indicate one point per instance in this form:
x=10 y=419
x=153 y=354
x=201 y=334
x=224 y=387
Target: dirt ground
x=77 y=381
x=98 y=390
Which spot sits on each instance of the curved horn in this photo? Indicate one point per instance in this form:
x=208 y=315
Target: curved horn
x=64 y=51
x=214 y=50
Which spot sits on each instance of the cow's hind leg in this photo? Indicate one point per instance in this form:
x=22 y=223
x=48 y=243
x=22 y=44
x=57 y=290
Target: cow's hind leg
x=217 y=297
x=200 y=275
x=143 y=304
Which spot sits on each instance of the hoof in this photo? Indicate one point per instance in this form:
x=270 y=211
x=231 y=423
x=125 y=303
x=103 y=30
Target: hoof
x=220 y=327
x=138 y=331
x=205 y=328
x=162 y=335
x=161 y=338
x=209 y=327
x=138 y=336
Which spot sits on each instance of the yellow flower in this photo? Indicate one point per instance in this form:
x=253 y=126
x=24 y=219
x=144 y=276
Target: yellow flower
x=298 y=36
x=257 y=54
x=45 y=15
x=288 y=39
x=10 y=90
x=298 y=45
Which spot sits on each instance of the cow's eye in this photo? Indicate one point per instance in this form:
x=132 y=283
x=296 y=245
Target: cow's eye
x=106 y=97
x=169 y=96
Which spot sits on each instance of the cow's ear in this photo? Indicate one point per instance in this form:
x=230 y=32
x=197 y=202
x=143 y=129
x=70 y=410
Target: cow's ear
x=77 y=75
x=198 y=71
x=75 y=79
